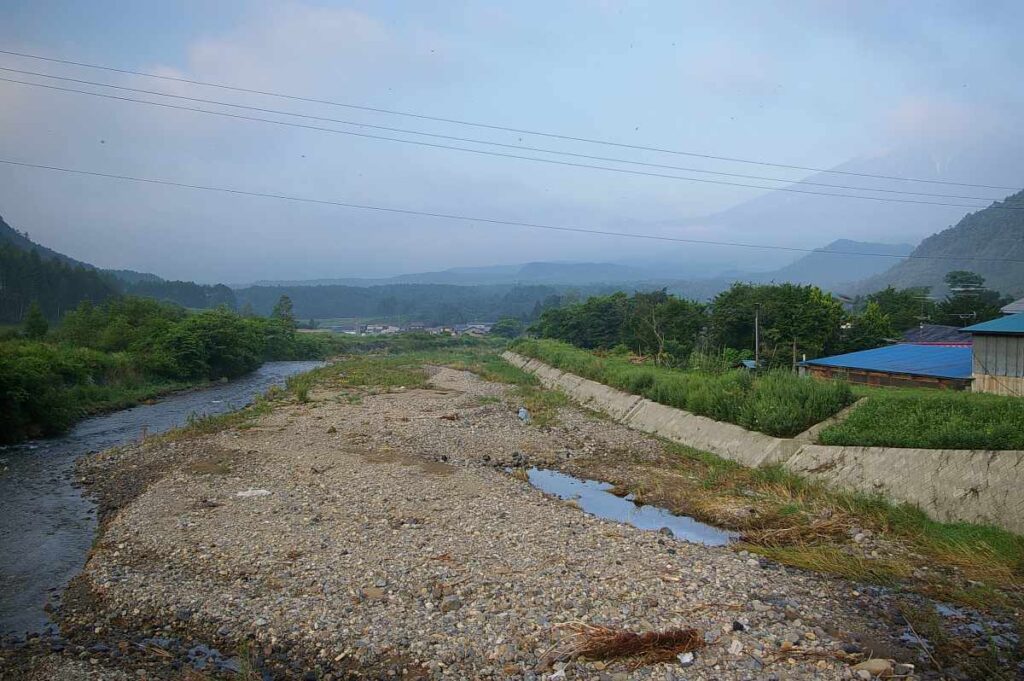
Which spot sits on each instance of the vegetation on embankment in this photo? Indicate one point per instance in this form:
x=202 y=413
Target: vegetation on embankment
x=930 y=419
x=777 y=403
x=130 y=349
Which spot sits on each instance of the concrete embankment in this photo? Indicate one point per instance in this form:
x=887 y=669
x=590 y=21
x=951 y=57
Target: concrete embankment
x=949 y=485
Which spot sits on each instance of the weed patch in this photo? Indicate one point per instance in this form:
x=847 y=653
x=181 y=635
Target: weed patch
x=778 y=403
x=931 y=420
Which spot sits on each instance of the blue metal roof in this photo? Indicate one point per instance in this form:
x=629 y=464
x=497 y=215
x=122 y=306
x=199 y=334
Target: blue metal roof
x=941 y=361
x=1013 y=323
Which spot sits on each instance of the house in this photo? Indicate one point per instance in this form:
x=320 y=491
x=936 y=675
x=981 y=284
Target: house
x=937 y=334
x=1015 y=307
x=998 y=355
x=909 y=365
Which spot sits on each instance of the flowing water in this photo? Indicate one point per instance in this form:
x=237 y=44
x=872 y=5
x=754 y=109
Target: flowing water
x=594 y=497
x=47 y=526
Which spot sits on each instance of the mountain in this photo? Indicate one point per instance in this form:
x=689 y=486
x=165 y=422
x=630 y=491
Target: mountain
x=995 y=232
x=547 y=273
x=796 y=219
x=837 y=265
x=32 y=272
x=20 y=241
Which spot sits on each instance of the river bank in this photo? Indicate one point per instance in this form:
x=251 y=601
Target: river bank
x=48 y=527
x=369 y=532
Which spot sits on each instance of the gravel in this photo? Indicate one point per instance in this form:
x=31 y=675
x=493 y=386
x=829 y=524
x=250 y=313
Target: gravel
x=390 y=541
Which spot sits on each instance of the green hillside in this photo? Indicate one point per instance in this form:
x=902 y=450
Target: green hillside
x=994 y=232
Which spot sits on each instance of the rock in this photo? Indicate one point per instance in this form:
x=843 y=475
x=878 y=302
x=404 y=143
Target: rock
x=738 y=626
x=253 y=493
x=450 y=604
x=667 y=531
x=735 y=648
x=685 y=659
x=183 y=614
x=876 y=668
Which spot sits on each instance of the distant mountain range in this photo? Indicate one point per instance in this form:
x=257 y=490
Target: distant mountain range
x=553 y=273
x=996 y=233
x=840 y=264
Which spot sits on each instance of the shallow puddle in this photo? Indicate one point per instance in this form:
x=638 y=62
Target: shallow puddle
x=594 y=497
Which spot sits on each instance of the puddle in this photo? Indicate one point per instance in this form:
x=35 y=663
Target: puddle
x=594 y=497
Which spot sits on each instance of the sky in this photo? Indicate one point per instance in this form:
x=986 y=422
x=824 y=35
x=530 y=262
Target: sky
x=818 y=83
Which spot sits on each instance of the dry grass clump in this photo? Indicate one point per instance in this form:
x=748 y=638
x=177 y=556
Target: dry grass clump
x=596 y=642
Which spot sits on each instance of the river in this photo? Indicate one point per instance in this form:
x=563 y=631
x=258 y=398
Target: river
x=47 y=526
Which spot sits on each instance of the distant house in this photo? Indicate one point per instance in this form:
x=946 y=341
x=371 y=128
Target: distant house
x=473 y=329
x=380 y=330
x=998 y=357
x=908 y=365
x=1016 y=307
x=937 y=334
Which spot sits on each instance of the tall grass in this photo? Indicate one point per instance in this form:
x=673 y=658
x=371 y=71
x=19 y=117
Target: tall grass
x=778 y=403
x=932 y=420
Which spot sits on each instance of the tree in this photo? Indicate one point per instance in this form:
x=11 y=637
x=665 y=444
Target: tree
x=793 y=318
x=36 y=325
x=872 y=328
x=284 y=311
x=906 y=308
x=507 y=327
x=958 y=279
x=969 y=302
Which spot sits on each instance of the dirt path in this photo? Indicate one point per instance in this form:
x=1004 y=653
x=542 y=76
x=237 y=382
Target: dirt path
x=383 y=537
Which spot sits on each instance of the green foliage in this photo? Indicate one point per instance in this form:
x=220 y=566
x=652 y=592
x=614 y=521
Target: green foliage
x=790 y=314
x=872 y=328
x=507 y=327
x=969 y=302
x=56 y=285
x=185 y=293
x=653 y=323
x=777 y=403
x=906 y=308
x=931 y=419
x=284 y=311
x=106 y=356
x=36 y=325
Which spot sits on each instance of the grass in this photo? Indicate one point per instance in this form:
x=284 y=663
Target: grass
x=777 y=403
x=799 y=522
x=893 y=417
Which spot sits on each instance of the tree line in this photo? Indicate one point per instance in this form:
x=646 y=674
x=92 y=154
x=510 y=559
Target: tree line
x=791 y=320
x=108 y=355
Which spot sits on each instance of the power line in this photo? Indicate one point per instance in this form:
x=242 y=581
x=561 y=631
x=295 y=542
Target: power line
x=484 y=220
x=485 y=152
x=490 y=126
x=487 y=142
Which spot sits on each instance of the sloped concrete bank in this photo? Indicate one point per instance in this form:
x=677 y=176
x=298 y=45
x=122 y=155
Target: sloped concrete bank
x=949 y=485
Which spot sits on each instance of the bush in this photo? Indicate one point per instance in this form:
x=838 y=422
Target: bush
x=779 y=403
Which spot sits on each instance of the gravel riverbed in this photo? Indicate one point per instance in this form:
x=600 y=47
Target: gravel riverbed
x=383 y=538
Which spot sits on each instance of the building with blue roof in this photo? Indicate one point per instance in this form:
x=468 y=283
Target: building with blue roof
x=998 y=355
x=905 y=364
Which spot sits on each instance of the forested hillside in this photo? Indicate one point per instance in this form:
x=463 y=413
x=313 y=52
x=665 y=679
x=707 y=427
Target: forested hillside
x=996 y=233
x=26 y=276
x=430 y=303
x=31 y=272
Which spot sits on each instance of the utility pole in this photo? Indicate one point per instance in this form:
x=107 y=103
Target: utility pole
x=757 y=336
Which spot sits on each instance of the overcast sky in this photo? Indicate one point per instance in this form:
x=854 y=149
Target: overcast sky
x=814 y=83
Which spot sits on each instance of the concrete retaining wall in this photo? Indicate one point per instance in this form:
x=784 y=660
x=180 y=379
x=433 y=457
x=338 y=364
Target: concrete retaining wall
x=948 y=485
